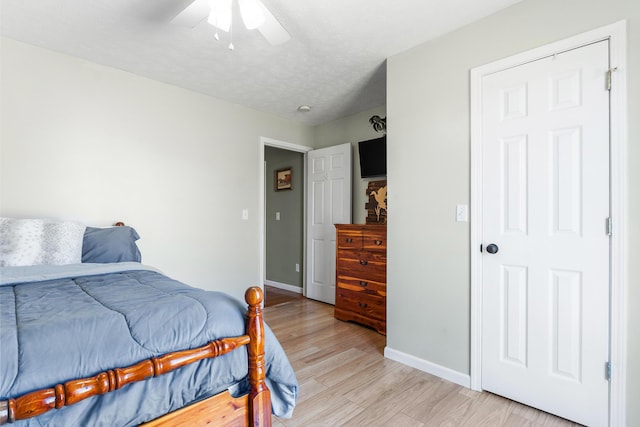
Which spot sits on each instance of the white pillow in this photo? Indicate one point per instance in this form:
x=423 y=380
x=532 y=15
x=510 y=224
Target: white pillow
x=26 y=242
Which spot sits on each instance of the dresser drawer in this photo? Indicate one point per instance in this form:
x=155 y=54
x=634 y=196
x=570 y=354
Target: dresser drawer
x=358 y=302
x=370 y=265
x=375 y=240
x=366 y=286
x=349 y=239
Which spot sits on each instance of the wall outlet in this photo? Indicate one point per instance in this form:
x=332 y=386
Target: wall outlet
x=297 y=268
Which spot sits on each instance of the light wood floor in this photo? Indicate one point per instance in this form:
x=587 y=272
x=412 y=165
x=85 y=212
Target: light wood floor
x=345 y=380
x=274 y=296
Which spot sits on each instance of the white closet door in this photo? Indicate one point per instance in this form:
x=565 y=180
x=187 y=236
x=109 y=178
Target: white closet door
x=545 y=204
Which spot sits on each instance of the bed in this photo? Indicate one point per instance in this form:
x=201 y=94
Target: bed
x=117 y=343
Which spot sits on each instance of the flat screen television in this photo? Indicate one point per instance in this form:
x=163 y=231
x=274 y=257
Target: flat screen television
x=373 y=157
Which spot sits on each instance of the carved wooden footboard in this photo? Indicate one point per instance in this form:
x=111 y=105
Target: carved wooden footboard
x=253 y=409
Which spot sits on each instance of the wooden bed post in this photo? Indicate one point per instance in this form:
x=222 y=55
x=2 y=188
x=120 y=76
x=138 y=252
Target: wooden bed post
x=259 y=394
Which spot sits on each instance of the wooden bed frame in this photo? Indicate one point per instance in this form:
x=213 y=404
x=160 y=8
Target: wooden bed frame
x=252 y=409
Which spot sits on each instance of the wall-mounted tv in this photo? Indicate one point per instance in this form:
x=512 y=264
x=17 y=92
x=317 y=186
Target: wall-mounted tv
x=373 y=157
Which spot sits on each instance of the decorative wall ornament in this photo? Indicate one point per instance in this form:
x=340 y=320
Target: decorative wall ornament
x=377 y=205
x=379 y=124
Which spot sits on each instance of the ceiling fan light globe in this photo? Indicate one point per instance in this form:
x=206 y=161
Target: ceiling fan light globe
x=251 y=12
x=220 y=16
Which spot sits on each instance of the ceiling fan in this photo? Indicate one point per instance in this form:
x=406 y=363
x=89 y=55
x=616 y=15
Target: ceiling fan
x=218 y=13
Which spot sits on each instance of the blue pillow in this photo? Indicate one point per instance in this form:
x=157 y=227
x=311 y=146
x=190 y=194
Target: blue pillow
x=114 y=244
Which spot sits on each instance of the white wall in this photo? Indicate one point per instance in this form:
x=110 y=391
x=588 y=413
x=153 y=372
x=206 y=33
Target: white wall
x=91 y=143
x=352 y=129
x=428 y=171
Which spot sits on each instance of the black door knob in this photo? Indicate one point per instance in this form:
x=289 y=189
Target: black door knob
x=492 y=248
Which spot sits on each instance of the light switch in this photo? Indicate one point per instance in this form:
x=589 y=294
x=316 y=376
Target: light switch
x=245 y=213
x=277 y=216
x=462 y=213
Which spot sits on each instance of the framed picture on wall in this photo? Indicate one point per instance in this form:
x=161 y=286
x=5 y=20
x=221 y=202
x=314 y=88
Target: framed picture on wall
x=283 y=179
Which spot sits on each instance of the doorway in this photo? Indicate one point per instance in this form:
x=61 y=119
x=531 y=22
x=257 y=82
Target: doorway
x=284 y=219
x=516 y=287
x=327 y=201
x=282 y=266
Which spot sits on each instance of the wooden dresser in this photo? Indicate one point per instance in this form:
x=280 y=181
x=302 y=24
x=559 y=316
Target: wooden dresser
x=361 y=275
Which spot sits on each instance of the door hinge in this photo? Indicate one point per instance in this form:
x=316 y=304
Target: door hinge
x=607 y=371
x=609 y=226
x=609 y=76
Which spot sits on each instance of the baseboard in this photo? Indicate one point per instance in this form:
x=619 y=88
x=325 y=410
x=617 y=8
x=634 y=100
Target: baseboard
x=456 y=377
x=284 y=286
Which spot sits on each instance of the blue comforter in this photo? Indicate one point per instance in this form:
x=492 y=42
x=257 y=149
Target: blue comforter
x=87 y=320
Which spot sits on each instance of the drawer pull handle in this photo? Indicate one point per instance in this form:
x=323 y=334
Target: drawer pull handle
x=364 y=262
x=364 y=284
x=362 y=305
x=349 y=240
x=378 y=242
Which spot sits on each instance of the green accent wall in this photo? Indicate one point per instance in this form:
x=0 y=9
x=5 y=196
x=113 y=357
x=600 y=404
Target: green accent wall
x=284 y=237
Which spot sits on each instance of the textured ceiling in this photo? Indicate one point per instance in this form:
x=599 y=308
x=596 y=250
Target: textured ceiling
x=334 y=62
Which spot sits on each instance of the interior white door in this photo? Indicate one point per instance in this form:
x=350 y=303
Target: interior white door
x=328 y=203
x=545 y=204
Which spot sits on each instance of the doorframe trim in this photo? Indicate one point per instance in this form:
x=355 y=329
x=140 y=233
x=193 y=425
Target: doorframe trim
x=616 y=33
x=270 y=142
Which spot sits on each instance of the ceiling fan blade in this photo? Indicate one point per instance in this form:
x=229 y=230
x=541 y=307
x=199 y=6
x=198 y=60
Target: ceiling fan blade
x=272 y=30
x=195 y=13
